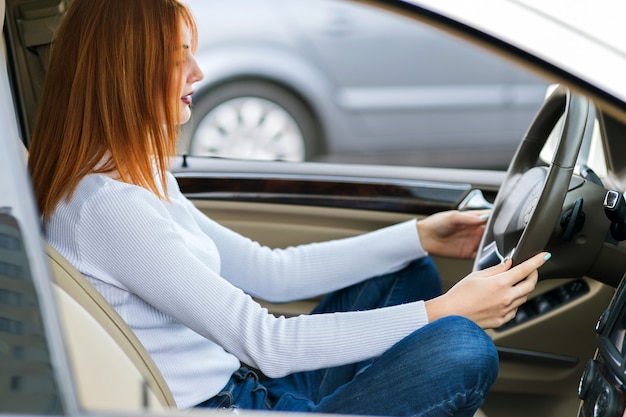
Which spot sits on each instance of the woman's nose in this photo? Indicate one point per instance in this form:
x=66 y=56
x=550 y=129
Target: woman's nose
x=196 y=73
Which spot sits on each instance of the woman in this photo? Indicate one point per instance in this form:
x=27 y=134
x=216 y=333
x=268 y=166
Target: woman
x=119 y=85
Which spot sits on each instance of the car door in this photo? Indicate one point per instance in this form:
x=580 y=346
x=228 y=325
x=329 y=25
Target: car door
x=280 y=204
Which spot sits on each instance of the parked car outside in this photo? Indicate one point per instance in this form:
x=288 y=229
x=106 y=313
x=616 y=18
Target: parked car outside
x=339 y=81
x=65 y=352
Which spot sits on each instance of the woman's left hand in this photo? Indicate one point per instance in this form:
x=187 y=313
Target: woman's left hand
x=453 y=233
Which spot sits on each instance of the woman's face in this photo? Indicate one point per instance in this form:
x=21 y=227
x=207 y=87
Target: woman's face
x=191 y=74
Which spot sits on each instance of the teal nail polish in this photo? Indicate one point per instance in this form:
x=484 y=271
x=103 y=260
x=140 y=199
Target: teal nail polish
x=484 y=217
x=548 y=256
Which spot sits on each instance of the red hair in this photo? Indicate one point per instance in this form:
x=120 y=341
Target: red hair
x=110 y=99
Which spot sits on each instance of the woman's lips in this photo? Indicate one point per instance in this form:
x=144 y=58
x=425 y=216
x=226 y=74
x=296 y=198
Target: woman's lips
x=187 y=99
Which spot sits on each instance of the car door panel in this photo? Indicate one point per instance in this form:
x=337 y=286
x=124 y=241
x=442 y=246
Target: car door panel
x=542 y=357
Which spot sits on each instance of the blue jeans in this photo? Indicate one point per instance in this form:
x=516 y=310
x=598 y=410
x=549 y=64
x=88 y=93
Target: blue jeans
x=442 y=369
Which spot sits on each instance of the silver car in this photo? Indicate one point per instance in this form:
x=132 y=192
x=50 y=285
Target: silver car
x=343 y=82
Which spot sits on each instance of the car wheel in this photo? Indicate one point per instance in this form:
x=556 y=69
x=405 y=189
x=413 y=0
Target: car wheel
x=254 y=120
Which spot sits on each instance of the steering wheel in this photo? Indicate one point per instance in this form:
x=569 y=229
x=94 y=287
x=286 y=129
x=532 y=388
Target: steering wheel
x=530 y=201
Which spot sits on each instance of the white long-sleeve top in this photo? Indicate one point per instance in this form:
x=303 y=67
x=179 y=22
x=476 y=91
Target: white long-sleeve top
x=185 y=284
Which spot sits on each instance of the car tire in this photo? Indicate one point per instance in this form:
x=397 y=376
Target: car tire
x=254 y=120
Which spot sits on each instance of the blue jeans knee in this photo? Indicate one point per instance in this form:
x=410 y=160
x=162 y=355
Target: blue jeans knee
x=445 y=368
x=468 y=356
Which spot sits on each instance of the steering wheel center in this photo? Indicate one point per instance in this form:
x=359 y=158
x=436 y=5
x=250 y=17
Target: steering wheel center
x=518 y=209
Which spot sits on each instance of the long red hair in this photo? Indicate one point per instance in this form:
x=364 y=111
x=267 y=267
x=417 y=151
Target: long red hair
x=110 y=99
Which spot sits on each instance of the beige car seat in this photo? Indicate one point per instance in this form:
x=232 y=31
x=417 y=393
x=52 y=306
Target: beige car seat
x=113 y=370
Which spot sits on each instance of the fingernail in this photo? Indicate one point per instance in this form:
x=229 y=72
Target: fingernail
x=484 y=217
x=505 y=260
x=548 y=256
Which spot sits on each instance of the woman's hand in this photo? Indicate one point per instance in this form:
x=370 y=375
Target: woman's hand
x=453 y=233
x=489 y=297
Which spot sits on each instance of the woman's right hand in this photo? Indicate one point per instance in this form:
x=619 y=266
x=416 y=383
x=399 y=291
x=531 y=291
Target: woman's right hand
x=489 y=297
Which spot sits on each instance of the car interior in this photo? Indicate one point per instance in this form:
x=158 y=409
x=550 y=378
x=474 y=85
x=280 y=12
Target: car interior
x=543 y=351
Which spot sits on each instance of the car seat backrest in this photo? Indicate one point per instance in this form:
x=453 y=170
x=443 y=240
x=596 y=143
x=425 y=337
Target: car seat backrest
x=113 y=370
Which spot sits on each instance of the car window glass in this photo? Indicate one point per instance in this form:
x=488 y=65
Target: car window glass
x=592 y=150
x=328 y=80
